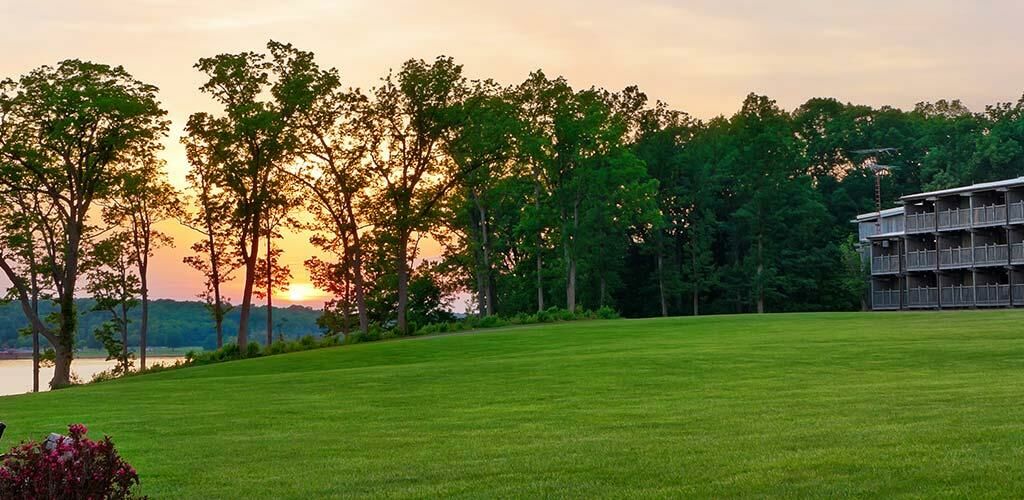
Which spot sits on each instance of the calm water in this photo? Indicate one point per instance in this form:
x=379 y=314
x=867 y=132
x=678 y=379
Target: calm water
x=16 y=374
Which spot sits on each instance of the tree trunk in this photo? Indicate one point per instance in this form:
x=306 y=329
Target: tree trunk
x=64 y=347
x=61 y=366
x=696 y=287
x=357 y=276
x=34 y=283
x=218 y=316
x=481 y=295
x=477 y=231
x=540 y=260
x=485 y=248
x=603 y=291
x=124 y=337
x=402 y=264
x=570 y=259
x=270 y=292
x=760 y=271
x=570 y=291
x=144 y=319
x=661 y=285
x=357 y=270
x=540 y=281
x=250 y=279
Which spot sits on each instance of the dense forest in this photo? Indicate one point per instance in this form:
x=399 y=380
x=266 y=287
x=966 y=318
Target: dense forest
x=173 y=323
x=541 y=194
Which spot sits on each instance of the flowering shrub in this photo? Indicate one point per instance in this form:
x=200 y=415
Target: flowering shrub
x=72 y=467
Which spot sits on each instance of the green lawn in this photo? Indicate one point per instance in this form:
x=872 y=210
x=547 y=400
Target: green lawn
x=823 y=405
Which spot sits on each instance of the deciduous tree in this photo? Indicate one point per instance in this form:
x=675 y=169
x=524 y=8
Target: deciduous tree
x=68 y=132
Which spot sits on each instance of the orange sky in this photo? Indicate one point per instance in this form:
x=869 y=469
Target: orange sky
x=702 y=57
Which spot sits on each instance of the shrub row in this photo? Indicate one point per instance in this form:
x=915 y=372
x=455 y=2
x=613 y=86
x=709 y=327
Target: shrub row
x=475 y=322
x=230 y=352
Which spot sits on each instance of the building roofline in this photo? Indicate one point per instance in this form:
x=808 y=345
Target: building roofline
x=889 y=212
x=984 y=186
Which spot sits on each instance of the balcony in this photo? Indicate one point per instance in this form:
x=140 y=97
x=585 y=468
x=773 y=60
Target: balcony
x=953 y=258
x=1017 y=253
x=991 y=255
x=957 y=296
x=990 y=215
x=923 y=222
x=1017 y=212
x=885 y=299
x=921 y=260
x=992 y=295
x=886 y=264
x=954 y=218
x=925 y=296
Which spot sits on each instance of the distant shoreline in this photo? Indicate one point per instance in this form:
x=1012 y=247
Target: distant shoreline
x=162 y=353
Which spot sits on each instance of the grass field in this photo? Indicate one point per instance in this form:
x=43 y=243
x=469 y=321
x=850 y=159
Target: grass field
x=823 y=405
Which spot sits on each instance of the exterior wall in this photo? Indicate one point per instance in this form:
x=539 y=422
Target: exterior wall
x=956 y=250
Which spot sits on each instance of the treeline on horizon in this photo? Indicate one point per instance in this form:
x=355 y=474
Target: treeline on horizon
x=173 y=323
x=542 y=195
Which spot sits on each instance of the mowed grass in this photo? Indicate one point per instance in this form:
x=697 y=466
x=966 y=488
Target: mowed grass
x=822 y=405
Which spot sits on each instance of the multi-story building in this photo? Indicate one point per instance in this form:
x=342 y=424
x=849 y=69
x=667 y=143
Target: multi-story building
x=954 y=248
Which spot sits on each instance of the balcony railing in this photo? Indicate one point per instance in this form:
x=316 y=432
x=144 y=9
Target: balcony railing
x=924 y=296
x=920 y=260
x=989 y=215
x=886 y=264
x=955 y=218
x=1017 y=253
x=923 y=222
x=957 y=296
x=1017 y=212
x=992 y=295
x=991 y=255
x=950 y=258
x=885 y=299
x=1018 y=294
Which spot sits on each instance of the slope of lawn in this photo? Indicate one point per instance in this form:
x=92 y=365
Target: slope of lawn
x=824 y=405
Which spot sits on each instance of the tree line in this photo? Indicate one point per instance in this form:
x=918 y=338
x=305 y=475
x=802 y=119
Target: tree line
x=178 y=324
x=541 y=195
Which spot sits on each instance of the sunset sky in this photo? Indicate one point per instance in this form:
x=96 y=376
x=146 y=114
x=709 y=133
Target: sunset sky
x=701 y=57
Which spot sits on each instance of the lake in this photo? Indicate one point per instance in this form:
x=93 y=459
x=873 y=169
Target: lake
x=16 y=374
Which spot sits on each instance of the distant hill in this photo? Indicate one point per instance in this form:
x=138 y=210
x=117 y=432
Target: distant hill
x=172 y=323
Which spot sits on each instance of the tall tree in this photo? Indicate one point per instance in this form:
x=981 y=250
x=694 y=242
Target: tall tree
x=330 y=171
x=484 y=146
x=22 y=234
x=115 y=287
x=405 y=128
x=68 y=132
x=248 y=144
x=144 y=199
x=212 y=255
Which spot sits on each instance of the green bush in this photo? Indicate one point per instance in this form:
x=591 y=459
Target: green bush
x=563 y=314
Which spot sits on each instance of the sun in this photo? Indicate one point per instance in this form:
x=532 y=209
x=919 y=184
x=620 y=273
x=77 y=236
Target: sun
x=301 y=292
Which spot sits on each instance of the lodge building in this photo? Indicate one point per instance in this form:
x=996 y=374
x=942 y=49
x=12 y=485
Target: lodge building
x=955 y=248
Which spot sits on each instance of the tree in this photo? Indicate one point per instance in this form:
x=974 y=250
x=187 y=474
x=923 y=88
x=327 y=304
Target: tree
x=484 y=146
x=143 y=199
x=67 y=133
x=110 y=268
x=271 y=276
x=212 y=255
x=576 y=146
x=331 y=172
x=246 y=145
x=405 y=128
x=21 y=234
